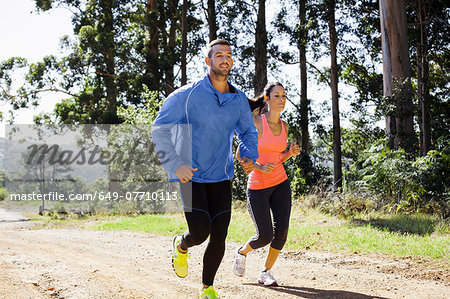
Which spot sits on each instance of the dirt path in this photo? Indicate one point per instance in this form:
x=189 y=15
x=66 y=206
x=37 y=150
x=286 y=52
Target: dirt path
x=74 y=263
x=9 y=216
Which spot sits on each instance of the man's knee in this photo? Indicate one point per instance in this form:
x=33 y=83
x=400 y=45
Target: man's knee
x=199 y=234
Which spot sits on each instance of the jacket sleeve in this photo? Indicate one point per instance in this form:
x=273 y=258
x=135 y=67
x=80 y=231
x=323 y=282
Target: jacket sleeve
x=164 y=130
x=247 y=133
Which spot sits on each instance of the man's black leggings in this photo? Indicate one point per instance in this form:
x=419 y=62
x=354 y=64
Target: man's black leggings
x=207 y=214
x=260 y=202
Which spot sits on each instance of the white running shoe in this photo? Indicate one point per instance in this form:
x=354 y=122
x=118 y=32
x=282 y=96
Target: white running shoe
x=266 y=278
x=239 y=263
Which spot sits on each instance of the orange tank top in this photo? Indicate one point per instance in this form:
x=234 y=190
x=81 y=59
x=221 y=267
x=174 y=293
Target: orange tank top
x=270 y=149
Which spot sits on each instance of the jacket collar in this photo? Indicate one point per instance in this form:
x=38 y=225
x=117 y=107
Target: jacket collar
x=221 y=98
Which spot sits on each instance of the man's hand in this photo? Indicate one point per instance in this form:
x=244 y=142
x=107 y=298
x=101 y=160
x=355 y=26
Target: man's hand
x=185 y=172
x=247 y=164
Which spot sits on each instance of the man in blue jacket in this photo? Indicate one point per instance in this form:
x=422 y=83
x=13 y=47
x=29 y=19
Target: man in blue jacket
x=213 y=110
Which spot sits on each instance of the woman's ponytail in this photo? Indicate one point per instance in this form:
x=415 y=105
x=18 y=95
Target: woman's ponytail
x=257 y=103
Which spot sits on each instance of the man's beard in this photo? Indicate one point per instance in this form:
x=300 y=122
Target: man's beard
x=219 y=73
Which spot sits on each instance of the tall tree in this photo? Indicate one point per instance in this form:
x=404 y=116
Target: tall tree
x=302 y=40
x=237 y=24
x=169 y=26
x=152 y=69
x=211 y=12
x=337 y=158
x=260 y=79
x=423 y=91
x=118 y=47
x=397 y=74
x=106 y=27
x=184 y=42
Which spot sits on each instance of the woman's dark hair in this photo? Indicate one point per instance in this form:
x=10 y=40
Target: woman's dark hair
x=259 y=102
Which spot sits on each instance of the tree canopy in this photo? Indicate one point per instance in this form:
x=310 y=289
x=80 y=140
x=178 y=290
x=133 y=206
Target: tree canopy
x=122 y=50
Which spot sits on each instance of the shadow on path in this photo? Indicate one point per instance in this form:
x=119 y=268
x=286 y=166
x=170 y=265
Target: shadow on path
x=17 y=220
x=9 y=216
x=304 y=292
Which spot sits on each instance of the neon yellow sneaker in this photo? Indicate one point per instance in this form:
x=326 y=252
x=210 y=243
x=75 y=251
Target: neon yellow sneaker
x=209 y=293
x=179 y=260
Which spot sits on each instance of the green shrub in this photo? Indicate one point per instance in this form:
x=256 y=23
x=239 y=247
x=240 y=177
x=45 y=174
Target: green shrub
x=341 y=204
x=405 y=185
x=2 y=194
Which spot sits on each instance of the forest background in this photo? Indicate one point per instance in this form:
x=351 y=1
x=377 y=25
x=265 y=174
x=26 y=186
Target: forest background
x=390 y=58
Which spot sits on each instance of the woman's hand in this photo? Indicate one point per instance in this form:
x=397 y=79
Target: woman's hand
x=294 y=149
x=266 y=168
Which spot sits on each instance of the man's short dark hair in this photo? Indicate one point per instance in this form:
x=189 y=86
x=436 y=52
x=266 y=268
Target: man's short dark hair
x=216 y=42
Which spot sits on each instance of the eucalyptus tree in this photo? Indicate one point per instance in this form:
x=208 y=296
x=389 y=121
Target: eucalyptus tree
x=427 y=45
x=211 y=18
x=430 y=46
x=397 y=74
x=237 y=23
x=117 y=48
x=337 y=156
x=260 y=78
x=302 y=41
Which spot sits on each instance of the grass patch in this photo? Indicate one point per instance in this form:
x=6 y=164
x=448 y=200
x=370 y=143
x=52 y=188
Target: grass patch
x=395 y=235
x=416 y=235
x=167 y=224
x=417 y=224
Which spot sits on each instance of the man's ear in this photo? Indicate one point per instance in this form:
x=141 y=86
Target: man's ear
x=208 y=61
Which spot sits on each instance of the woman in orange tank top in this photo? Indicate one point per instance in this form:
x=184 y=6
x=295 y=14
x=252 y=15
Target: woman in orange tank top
x=268 y=186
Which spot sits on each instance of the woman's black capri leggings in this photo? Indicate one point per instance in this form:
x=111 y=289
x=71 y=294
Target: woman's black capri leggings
x=260 y=202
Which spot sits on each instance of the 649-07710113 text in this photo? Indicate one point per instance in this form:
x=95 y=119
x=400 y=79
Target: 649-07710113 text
x=103 y=196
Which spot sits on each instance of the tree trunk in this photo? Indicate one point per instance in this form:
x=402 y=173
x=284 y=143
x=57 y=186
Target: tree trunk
x=422 y=80
x=304 y=121
x=152 y=62
x=337 y=158
x=108 y=44
x=42 y=186
x=184 y=43
x=212 y=20
x=260 y=80
x=397 y=74
x=172 y=10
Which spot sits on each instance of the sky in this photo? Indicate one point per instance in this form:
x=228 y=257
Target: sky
x=26 y=33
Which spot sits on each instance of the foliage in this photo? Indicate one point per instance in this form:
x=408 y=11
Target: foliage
x=108 y=62
x=2 y=193
x=342 y=204
x=107 y=76
x=146 y=115
x=404 y=185
x=239 y=182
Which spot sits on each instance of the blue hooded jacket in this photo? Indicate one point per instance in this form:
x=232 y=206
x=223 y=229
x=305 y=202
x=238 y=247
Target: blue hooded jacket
x=200 y=113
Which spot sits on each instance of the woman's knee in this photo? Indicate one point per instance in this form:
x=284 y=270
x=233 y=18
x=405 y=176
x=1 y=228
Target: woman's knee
x=262 y=240
x=279 y=239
